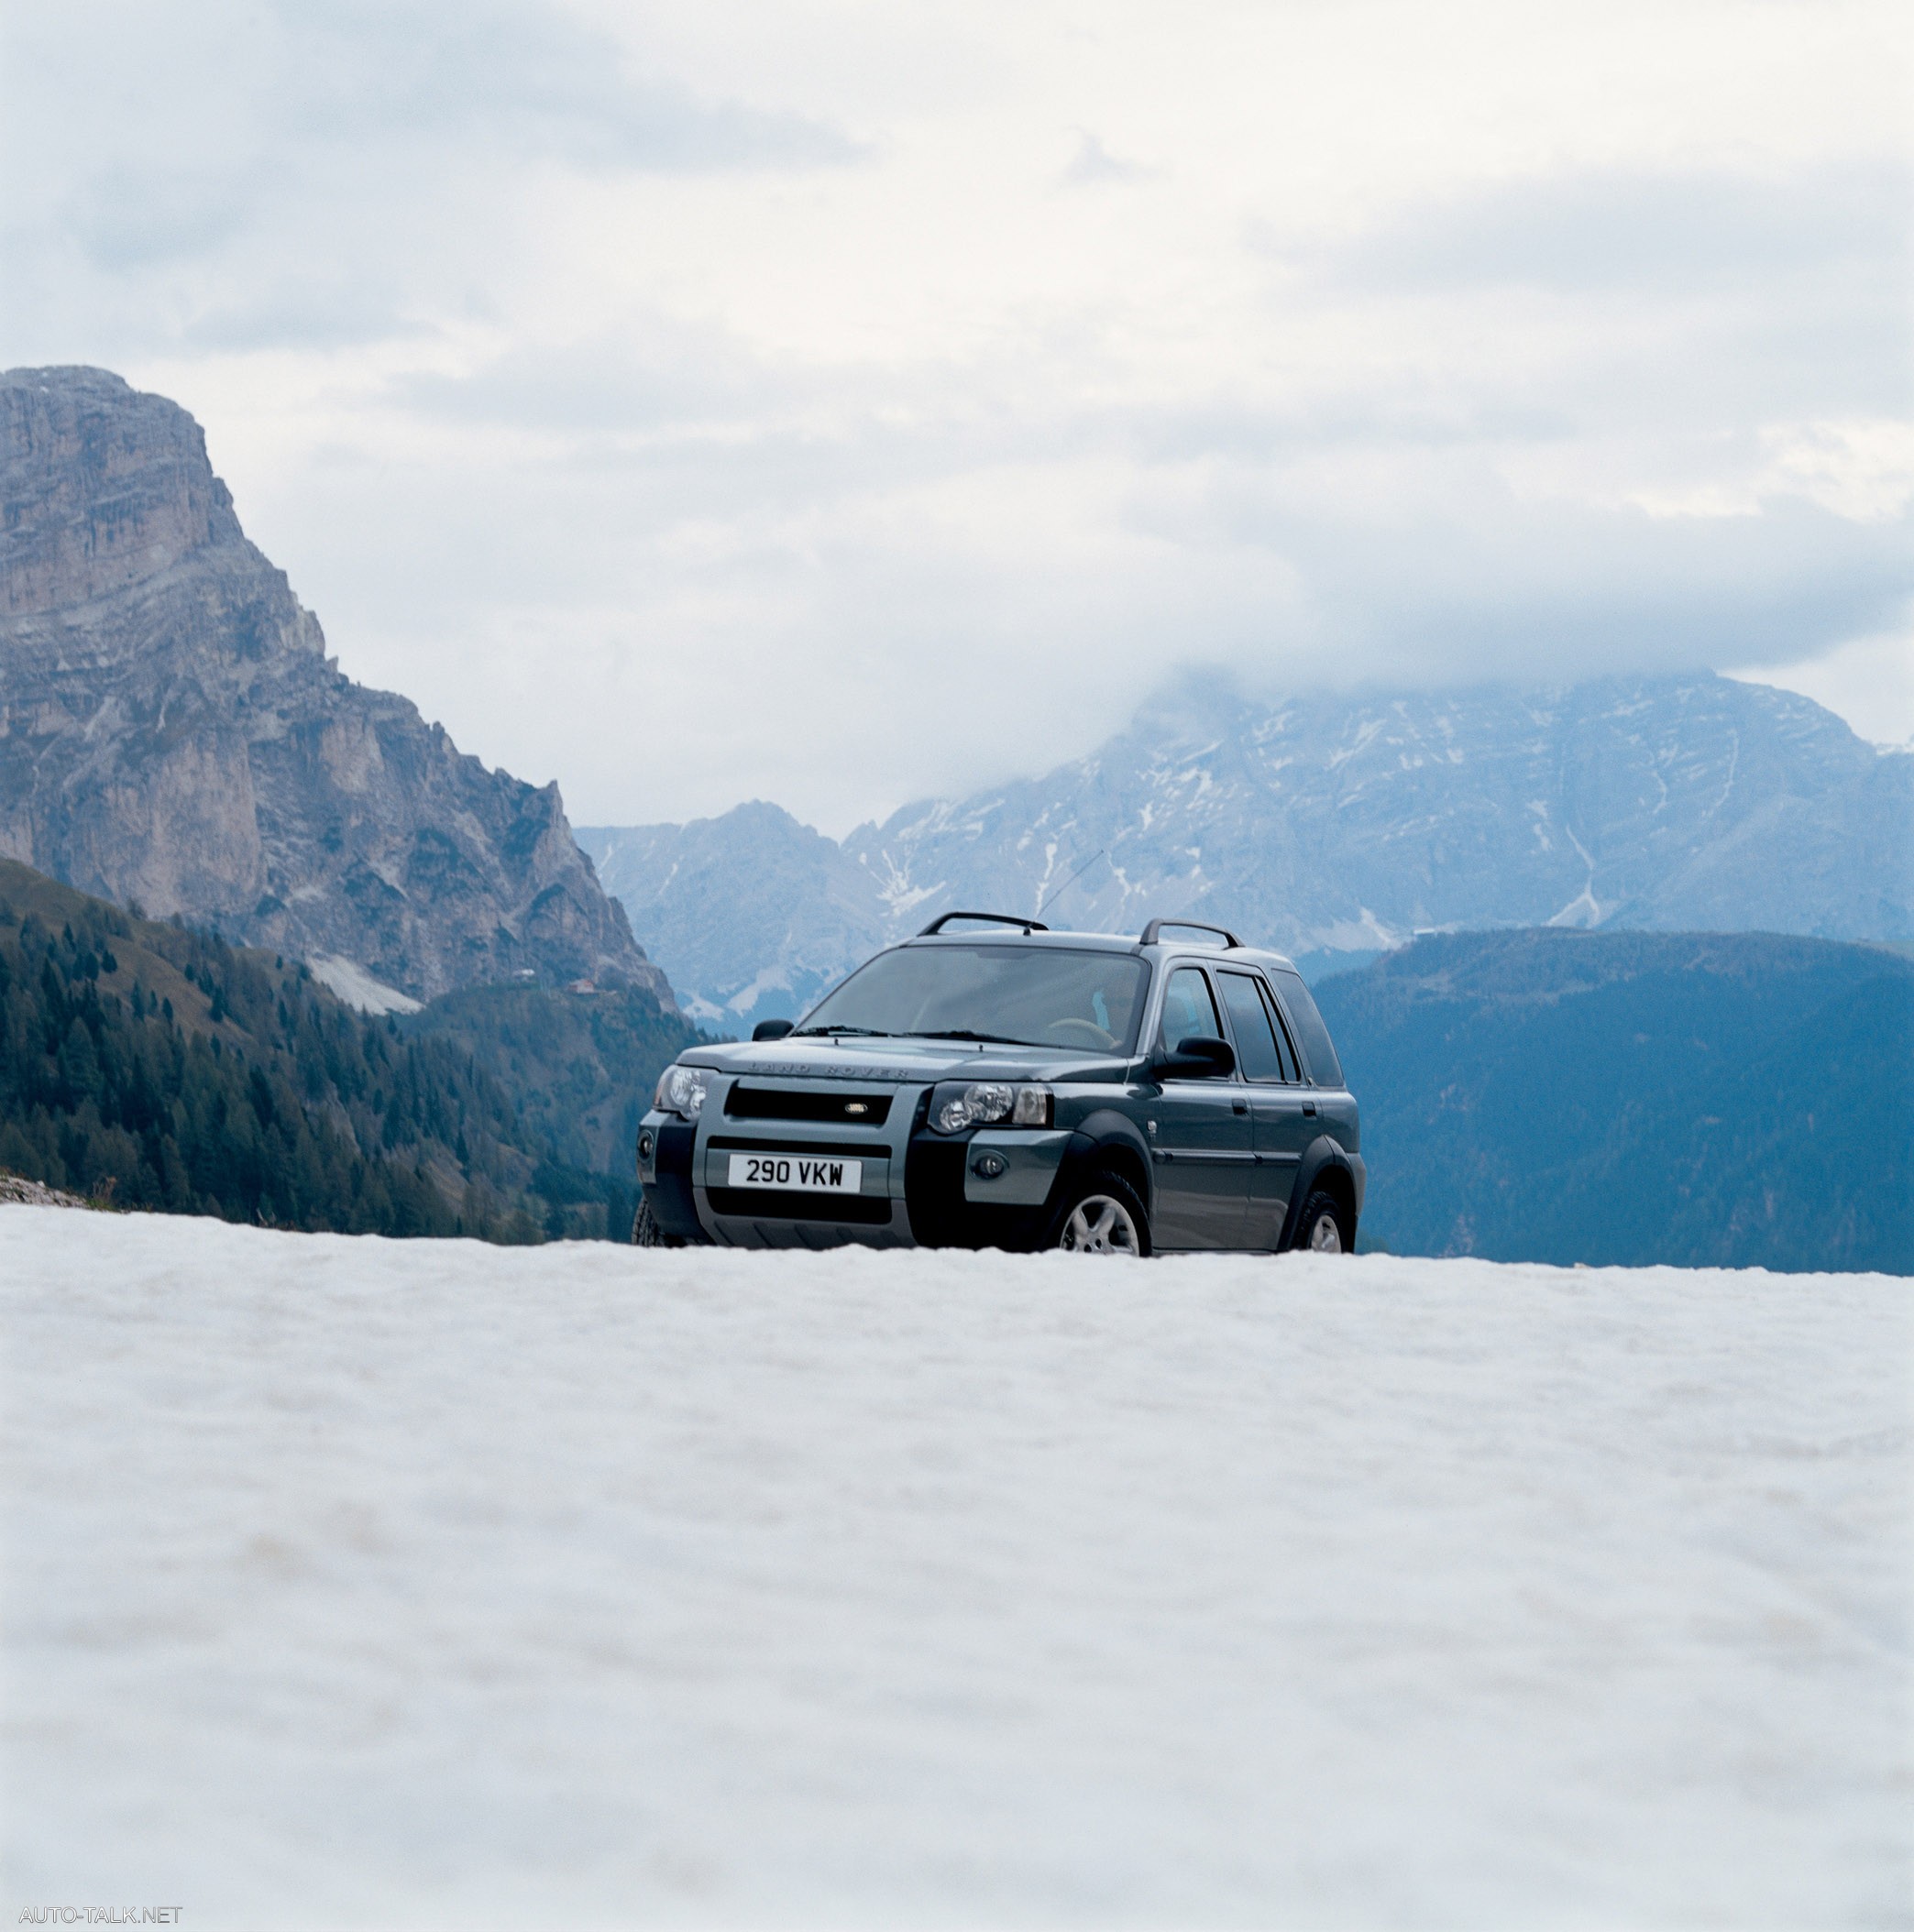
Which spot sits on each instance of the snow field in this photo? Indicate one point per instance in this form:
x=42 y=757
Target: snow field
x=361 y=1582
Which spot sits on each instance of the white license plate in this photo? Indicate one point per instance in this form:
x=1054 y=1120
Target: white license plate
x=797 y=1173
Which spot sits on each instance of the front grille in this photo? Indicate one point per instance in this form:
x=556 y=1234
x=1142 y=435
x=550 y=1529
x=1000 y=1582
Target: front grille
x=773 y=1204
x=863 y=1110
x=762 y=1143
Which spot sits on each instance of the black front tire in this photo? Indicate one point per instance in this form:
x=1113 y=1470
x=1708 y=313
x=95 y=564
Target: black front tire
x=645 y=1231
x=1325 y=1227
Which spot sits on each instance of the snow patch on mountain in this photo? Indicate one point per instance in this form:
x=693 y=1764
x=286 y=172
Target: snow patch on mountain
x=358 y=987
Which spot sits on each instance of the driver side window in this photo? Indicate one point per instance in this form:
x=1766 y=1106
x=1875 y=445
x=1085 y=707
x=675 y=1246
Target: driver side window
x=1188 y=1007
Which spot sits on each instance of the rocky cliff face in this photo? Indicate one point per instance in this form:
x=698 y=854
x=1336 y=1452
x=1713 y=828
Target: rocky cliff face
x=172 y=731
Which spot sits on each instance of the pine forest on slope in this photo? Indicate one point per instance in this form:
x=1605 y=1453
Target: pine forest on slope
x=157 y=1067
x=1707 y=1100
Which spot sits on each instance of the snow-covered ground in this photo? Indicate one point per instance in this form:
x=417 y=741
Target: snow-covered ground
x=364 y=1582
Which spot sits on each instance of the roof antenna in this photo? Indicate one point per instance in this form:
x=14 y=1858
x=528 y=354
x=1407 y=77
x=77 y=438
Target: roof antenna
x=1072 y=878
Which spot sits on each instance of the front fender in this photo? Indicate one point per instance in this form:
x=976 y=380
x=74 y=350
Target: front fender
x=1104 y=1129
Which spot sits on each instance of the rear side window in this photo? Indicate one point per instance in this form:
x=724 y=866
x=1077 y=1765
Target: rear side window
x=1292 y=1066
x=1188 y=1008
x=1256 y=1050
x=1311 y=1032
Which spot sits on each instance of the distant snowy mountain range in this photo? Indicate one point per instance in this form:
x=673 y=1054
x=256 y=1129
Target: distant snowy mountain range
x=1331 y=827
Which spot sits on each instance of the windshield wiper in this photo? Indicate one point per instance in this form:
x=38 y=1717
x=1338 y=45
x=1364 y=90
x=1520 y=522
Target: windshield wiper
x=966 y=1033
x=876 y=1033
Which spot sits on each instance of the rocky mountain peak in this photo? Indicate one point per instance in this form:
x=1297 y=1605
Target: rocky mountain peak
x=104 y=488
x=172 y=733
x=1332 y=825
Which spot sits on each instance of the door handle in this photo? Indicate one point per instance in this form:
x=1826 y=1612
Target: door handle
x=1309 y=1107
x=1239 y=1106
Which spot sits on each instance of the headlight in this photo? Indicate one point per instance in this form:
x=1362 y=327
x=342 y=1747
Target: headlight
x=682 y=1091
x=956 y=1106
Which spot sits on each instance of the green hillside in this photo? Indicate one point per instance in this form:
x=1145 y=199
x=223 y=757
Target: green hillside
x=581 y=1066
x=1735 y=1100
x=155 y=1067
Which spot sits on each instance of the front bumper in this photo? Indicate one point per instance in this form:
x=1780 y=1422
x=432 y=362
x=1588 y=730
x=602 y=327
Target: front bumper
x=991 y=1187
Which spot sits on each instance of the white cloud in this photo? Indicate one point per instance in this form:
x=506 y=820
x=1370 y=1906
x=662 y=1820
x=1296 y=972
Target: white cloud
x=1093 y=165
x=1862 y=471
x=837 y=402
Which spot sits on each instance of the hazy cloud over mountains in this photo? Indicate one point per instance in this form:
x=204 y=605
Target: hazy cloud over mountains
x=1665 y=229
x=839 y=404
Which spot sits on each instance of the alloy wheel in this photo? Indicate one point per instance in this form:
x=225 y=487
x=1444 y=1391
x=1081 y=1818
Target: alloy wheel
x=1098 y=1225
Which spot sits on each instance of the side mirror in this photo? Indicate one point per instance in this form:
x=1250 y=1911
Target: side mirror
x=1200 y=1056
x=771 y=1029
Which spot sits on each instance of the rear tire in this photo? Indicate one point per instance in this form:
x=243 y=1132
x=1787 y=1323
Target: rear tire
x=1102 y=1214
x=1325 y=1227
x=645 y=1231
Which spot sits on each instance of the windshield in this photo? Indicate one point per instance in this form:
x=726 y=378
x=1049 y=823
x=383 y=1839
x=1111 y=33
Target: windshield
x=1029 y=995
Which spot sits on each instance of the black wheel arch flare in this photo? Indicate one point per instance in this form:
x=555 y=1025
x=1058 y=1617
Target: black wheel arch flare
x=1324 y=1162
x=669 y=1193
x=1107 y=1138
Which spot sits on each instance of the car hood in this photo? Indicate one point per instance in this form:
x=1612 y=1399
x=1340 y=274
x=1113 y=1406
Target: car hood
x=902 y=1061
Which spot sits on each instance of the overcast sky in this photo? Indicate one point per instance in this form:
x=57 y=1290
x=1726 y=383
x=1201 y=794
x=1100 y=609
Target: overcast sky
x=838 y=404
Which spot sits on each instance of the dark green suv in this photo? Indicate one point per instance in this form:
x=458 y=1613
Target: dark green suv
x=1020 y=1088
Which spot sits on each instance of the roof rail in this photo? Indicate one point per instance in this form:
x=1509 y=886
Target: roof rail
x=993 y=918
x=1156 y=926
